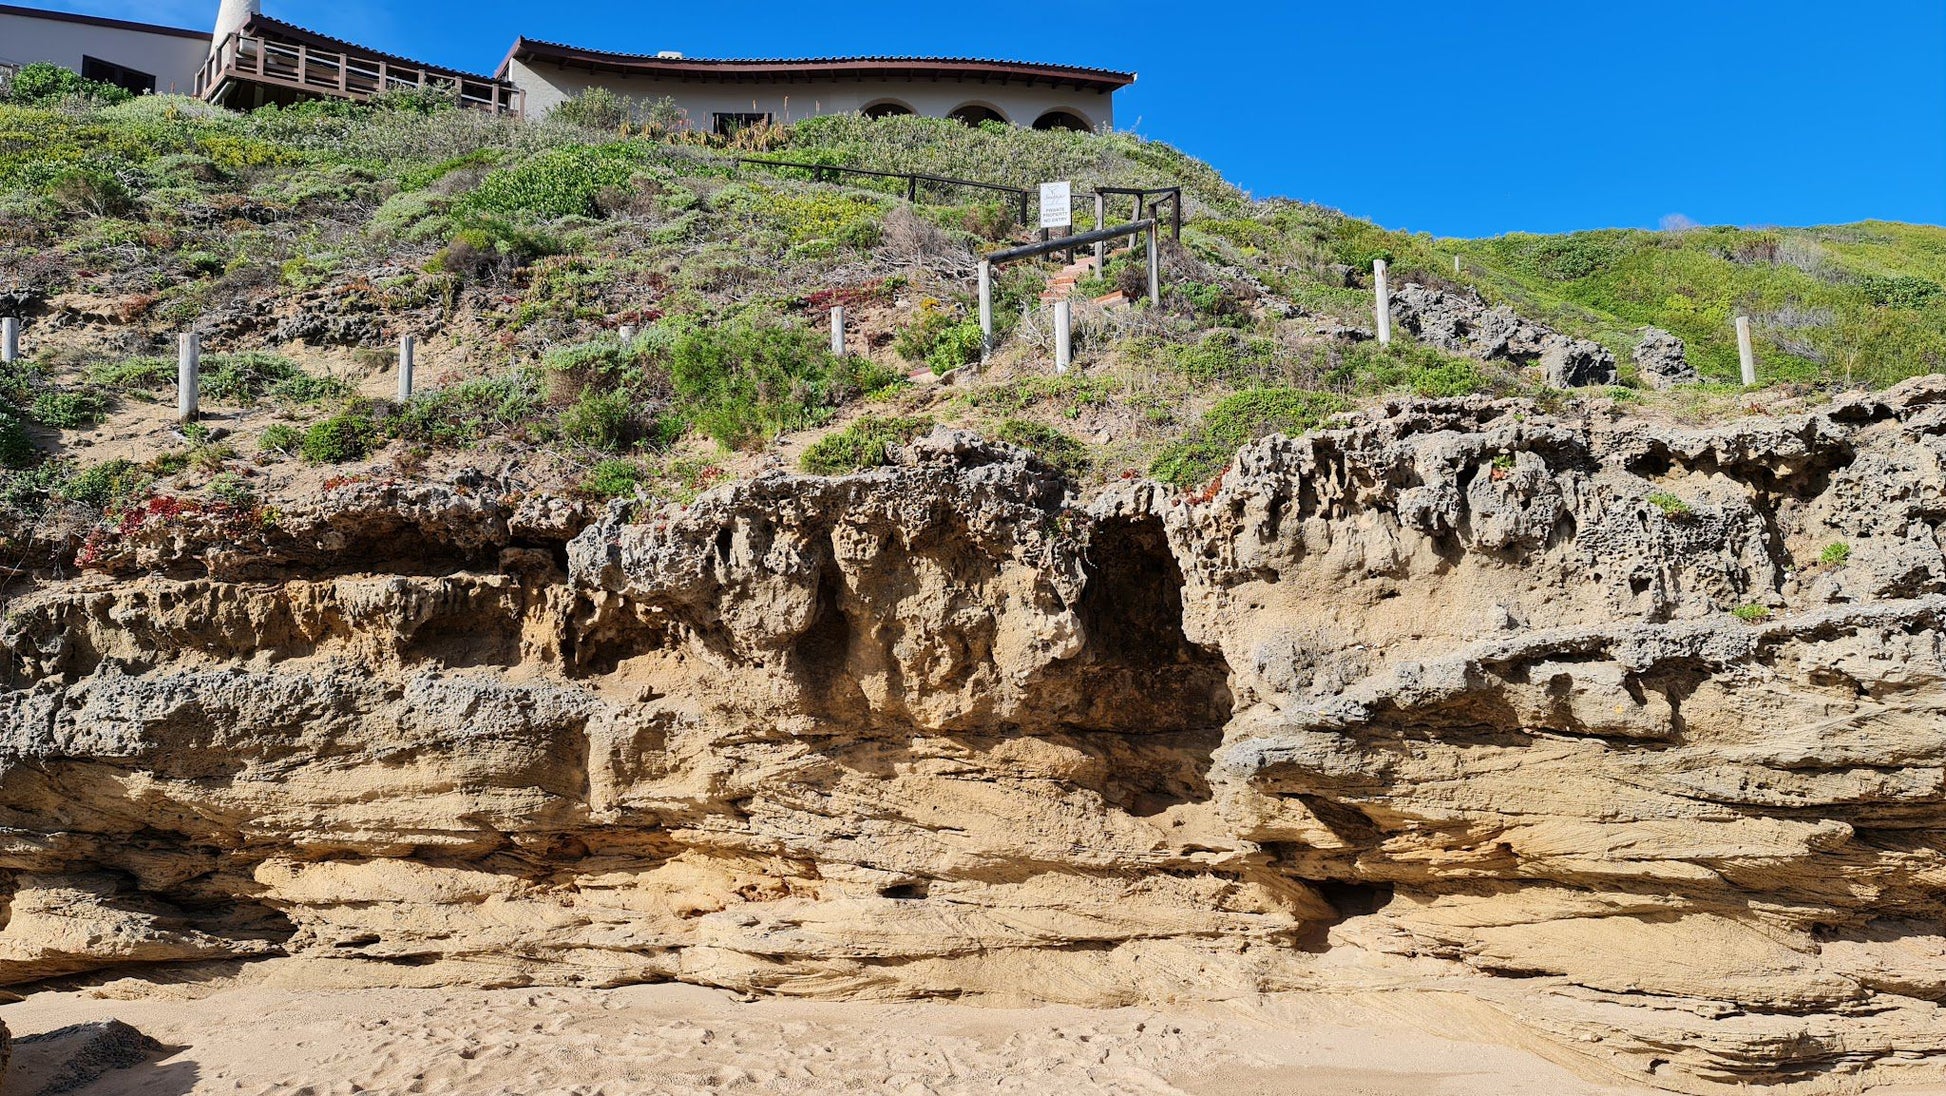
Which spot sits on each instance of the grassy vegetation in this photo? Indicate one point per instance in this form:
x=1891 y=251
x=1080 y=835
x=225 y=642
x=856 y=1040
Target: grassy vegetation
x=866 y=443
x=528 y=242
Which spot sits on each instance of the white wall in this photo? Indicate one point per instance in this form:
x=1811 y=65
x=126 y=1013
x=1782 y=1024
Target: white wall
x=174 y=60
x=547 y=85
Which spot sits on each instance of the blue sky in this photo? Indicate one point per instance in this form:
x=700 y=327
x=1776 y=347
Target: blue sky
x=1457 y=119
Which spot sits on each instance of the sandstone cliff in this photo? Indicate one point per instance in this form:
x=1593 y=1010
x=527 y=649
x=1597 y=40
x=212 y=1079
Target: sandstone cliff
x=1449 y=696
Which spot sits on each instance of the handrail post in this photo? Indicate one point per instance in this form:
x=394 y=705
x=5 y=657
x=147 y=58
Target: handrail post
x=405 y=367
x=1155 y=268
x=986 y=309
x=1382 y=305
x=1101 y=221
x=1175 y=217
x=1746 y=354
x=1063 y=335
x=912 y=189
x=188 y=381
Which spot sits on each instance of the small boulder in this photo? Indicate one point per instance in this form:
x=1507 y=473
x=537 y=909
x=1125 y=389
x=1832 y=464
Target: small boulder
x=1663 y=359
x=71 y=1058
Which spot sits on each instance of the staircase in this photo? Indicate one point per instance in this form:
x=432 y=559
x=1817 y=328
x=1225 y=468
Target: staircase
x=1061 y=286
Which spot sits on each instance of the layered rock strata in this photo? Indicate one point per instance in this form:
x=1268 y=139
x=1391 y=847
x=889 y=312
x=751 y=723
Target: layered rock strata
x=1582 y=717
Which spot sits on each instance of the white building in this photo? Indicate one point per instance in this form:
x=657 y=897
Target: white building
x=252 y=59
x=722 y=95
x=137 y=56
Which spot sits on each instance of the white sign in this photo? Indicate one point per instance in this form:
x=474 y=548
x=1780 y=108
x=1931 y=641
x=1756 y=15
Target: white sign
x=1057 y=205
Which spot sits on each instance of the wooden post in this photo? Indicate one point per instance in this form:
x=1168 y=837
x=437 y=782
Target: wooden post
x=1155 y=269
x=1063 y=335
x=626 y=333
x=189 y=352
x=838 y=330
x=1382 y=307
x=1745 y=352
x=9 y=340
x=1456 y=264
x=986 y=309
x=405 y=367
x=1101 y=222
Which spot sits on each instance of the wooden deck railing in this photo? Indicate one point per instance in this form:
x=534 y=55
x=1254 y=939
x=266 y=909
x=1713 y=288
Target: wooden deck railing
x=250 y=59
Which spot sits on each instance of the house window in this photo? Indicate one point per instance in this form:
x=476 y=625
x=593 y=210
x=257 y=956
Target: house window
x=108 y=72
x=729 y=125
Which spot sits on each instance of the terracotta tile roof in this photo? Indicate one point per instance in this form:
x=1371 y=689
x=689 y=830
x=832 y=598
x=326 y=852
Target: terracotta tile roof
x=100 y=21
x=981 y=68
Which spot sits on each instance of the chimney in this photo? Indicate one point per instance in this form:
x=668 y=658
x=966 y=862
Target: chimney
x=231 y=17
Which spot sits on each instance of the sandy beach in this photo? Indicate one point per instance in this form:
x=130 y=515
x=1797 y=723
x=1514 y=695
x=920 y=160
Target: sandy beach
x=679 y=1039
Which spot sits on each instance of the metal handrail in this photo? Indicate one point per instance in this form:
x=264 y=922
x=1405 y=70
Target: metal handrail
x=1027 y=251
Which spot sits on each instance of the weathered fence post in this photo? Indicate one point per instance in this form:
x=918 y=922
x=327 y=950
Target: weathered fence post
x=1155 y=269
x=1383 y=306
x=189 y=354
x=9 y=340
x=838 y=330
x=1456 y=264
x=1063 y=335
x=1101 y=221
x=406 y=346
x=626 y=332
x=986 y=309
x=1745 y=352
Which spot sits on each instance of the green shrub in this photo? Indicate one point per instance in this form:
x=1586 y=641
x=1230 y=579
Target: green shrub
x=42 y=82
x=915 y=340
x=1670 y=505
x=280 y=437
x=613 y=478
x=490 y=248
x=1236 y=421
x=1452 y=377
x=16 y=448
x=1224 y=355
x=1902 y=291
x=1836 y=554
x=864 y=444
x=251 y=375
x=346 y=436
x=1054 y=448
x=469 y=411
x=958 y=345
x=595 y=108
x=68 y=409
x=1751 y=614
x=740 y=382
x=230 y=489
x=562 y=182
x=133 y=374
x=600 y=420
x=89 y=189
x=110 y=487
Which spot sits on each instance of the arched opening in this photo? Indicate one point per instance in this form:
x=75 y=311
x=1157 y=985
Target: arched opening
x=887 y=108
x=1063 y=119
x=972 y=114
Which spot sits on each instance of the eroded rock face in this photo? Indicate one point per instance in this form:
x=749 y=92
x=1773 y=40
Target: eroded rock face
x=1465 y=325
x=1449 y=697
